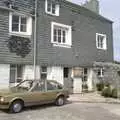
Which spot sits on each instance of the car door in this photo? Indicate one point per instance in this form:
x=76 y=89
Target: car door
x=52 y=91
x=37 y=95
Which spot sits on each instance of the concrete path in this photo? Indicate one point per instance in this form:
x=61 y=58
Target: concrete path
x=92 y=98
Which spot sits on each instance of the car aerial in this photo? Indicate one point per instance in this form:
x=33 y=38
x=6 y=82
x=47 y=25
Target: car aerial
x=32 y=92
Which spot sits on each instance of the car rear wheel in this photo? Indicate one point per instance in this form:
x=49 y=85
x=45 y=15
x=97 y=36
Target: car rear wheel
x=16 y=106
x=60 y=101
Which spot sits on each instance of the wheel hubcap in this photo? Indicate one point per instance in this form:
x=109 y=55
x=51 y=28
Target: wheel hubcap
x=60 y=101
x=17 y=107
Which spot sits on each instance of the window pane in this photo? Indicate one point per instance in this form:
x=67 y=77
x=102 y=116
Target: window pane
x=15 y=23
x=43 y=76
x=19 y=73
x=23 y=20
x=23 y=24
x=85 y=78
x=99 y=73
x=59 y=35
x=100 y=41
x=15 y=27
x=23 y=28
x=49 y=7
x=15 y=19
x=53 y=8
x=55 y=35
x=64 y=36
x=43 y=69
x=66 y=72
x=85 y=71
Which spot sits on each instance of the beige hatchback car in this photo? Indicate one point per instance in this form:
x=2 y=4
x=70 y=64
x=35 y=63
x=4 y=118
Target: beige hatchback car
x=31 y=92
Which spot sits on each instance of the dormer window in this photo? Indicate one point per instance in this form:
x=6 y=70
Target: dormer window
x=51 y=7
x=20 y=24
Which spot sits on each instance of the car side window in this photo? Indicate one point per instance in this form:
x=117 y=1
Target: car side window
x=39 y=87
x=53 y=86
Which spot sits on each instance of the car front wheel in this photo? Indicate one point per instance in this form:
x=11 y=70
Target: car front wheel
x=16 y=107
x=60 y=101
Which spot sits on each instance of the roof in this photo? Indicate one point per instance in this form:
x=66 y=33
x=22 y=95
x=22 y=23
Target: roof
x=82 y=10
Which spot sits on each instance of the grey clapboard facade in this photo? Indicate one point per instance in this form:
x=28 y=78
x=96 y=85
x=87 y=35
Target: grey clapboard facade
x=23 y=7
x=84 y=22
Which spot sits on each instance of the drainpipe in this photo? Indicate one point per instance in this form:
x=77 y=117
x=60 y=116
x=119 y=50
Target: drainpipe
x=35 y=50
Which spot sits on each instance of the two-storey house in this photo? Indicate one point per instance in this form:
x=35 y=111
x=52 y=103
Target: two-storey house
x=69 y=39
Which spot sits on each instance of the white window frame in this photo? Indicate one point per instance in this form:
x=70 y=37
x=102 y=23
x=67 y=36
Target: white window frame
x=104 y=41
x=28 y=25
x=16 y=75
x=68 y=42
x=57 y=9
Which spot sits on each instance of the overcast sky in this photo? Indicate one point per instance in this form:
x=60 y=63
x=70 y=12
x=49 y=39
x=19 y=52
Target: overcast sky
x=111 y=10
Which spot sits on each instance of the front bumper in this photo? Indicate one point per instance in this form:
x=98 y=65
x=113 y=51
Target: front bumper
x=4 y=105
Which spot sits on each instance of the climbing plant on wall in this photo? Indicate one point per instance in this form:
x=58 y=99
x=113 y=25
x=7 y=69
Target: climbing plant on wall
x=19 y=45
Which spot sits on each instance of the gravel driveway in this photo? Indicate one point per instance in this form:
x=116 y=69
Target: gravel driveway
x=71 y=111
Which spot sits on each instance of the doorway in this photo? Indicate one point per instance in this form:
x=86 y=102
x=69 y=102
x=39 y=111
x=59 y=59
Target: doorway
x=68 y=81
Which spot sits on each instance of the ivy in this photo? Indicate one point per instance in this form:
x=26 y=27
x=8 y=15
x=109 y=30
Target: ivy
x=19 y=45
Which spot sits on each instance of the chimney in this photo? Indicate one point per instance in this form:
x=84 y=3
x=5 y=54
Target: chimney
x=92 y=5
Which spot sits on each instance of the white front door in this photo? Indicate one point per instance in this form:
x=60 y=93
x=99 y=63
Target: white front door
x=77 y=85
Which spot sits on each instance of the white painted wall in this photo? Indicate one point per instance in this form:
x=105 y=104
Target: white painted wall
x=28 y=72
x=55 y=73
x=90 y=79
x=4 y=75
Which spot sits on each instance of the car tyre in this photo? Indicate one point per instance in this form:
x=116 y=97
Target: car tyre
x=16 y=106
x=60 y=101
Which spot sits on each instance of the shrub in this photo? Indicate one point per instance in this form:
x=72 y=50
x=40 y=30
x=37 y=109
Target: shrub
x=114 y=93
x=107 y=84
x=107 y=92
x=100 y=86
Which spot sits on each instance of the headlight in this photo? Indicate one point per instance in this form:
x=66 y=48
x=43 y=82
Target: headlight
x=2 y=99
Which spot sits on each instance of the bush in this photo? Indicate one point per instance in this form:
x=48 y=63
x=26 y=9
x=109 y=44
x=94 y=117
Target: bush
x=100 y=86
x=107 y=92
x=114 y=93
x=107 y=84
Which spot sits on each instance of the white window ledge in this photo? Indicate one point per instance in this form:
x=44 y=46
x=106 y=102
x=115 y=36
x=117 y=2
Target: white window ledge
x=61 y=45
x=20 y=34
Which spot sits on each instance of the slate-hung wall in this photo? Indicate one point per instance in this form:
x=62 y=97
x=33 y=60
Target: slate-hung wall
x=25 y=7
x=85 y=25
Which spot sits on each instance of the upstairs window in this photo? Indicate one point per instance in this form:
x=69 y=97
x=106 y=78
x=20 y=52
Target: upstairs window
x=20 y=24
x=51 y=7
x=61 y=35
x=101 y=41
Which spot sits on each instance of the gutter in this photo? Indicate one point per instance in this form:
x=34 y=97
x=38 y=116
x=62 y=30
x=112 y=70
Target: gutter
x=35 y=50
